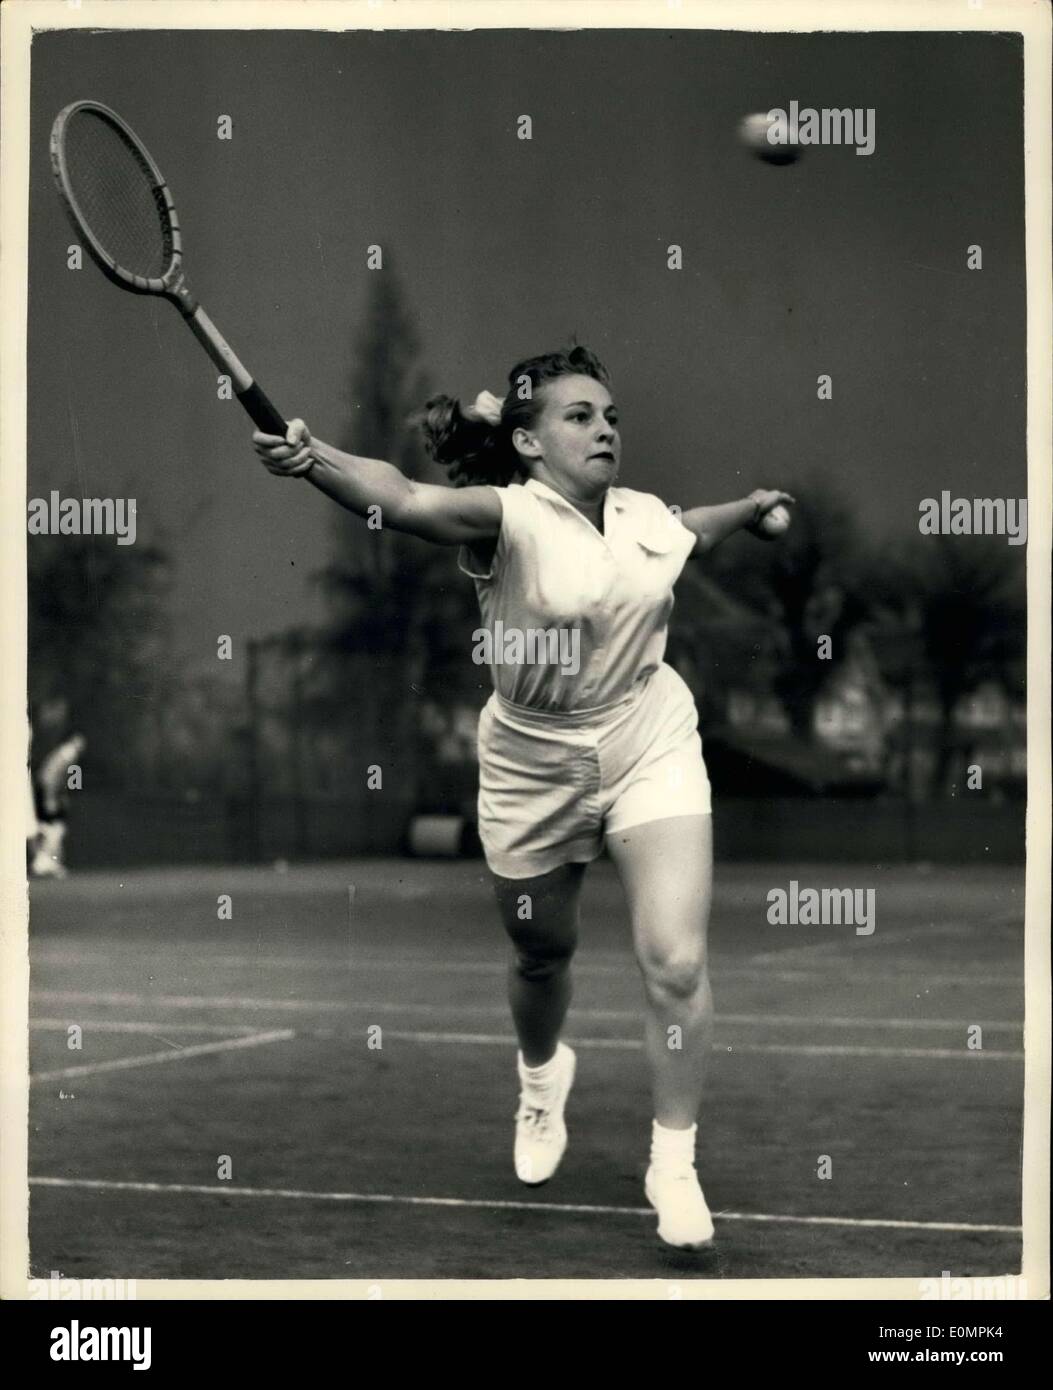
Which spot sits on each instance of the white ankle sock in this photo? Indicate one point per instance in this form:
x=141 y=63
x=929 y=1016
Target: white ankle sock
x=539 y=1077
x=672 y=1148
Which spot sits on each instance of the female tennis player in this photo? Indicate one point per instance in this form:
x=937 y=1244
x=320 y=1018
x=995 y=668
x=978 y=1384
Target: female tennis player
x=589 y=739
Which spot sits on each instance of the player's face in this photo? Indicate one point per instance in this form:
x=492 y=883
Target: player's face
x=574 y=442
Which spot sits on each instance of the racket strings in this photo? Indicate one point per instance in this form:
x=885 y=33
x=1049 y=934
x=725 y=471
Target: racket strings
x=114 y=189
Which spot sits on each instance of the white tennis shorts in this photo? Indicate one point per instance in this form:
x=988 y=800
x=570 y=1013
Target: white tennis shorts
x=551 y=786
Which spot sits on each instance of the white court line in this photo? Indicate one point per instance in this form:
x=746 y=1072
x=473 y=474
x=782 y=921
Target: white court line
x=738 y=1020
x=940 y=1054
x=585 y=966
x=745 y=1020
x=566 y=1209
x=890 y=936
x=188 y=1001
x=229 y=1001
x=223 y=1030
x=150 y=1059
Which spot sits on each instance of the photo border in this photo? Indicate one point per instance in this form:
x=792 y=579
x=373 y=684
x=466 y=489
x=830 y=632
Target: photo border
x=19 y=19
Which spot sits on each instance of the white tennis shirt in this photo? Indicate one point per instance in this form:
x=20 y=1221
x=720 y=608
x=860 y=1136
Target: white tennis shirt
x=598 y=606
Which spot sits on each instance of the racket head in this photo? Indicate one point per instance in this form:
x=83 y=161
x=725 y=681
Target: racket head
x=117 y=199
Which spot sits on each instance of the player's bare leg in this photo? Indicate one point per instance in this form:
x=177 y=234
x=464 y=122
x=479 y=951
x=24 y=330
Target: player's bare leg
x=667 y=869
x=540 y=916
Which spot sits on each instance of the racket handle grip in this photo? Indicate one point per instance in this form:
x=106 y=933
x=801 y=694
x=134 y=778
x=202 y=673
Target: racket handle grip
x=263 y=413
x=226 y=359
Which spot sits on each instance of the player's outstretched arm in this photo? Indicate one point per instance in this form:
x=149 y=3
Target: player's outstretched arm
x=711 y=525
x=448 y=516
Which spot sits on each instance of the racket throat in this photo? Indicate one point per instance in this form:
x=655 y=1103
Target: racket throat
x=217 y=347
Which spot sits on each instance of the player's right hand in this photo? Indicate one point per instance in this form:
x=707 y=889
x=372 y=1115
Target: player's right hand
x=290 y=457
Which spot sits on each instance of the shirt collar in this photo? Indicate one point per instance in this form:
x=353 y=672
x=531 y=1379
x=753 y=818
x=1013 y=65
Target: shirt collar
x=614 y=495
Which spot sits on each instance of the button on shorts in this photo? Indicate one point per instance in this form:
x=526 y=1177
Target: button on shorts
x=552 y=785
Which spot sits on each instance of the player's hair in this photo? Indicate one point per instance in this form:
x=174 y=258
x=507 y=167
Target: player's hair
x=474 y=451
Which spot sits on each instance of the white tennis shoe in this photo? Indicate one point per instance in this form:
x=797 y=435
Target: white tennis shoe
x=541 y=1133
x=684 y=1220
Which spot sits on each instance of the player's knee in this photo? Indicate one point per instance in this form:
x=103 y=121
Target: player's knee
x=538 y=961
x=675 y=974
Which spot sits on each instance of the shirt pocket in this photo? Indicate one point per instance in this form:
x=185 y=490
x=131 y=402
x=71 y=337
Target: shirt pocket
x=654 y=543
x=657 y=566
x=658 y=534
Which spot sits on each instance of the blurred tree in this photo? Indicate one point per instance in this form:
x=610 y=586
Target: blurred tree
x=397 y=606
x=99 y=647
x=809 y=583
x=963 y=602
x=720 y=645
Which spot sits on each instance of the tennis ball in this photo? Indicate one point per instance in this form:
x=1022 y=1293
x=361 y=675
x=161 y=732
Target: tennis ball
x=770 y=139
x=775 y=522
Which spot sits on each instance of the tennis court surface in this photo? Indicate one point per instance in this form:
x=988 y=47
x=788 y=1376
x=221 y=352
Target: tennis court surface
x=250 y=1046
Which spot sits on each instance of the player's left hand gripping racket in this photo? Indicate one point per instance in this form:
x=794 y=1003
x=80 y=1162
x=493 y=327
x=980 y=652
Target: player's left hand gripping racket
x=119 y=203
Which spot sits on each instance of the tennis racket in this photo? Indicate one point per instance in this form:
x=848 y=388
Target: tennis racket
x=119 y=204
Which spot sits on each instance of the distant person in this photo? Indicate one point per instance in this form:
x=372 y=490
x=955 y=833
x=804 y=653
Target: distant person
x=51 y=787
x=596 y=743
